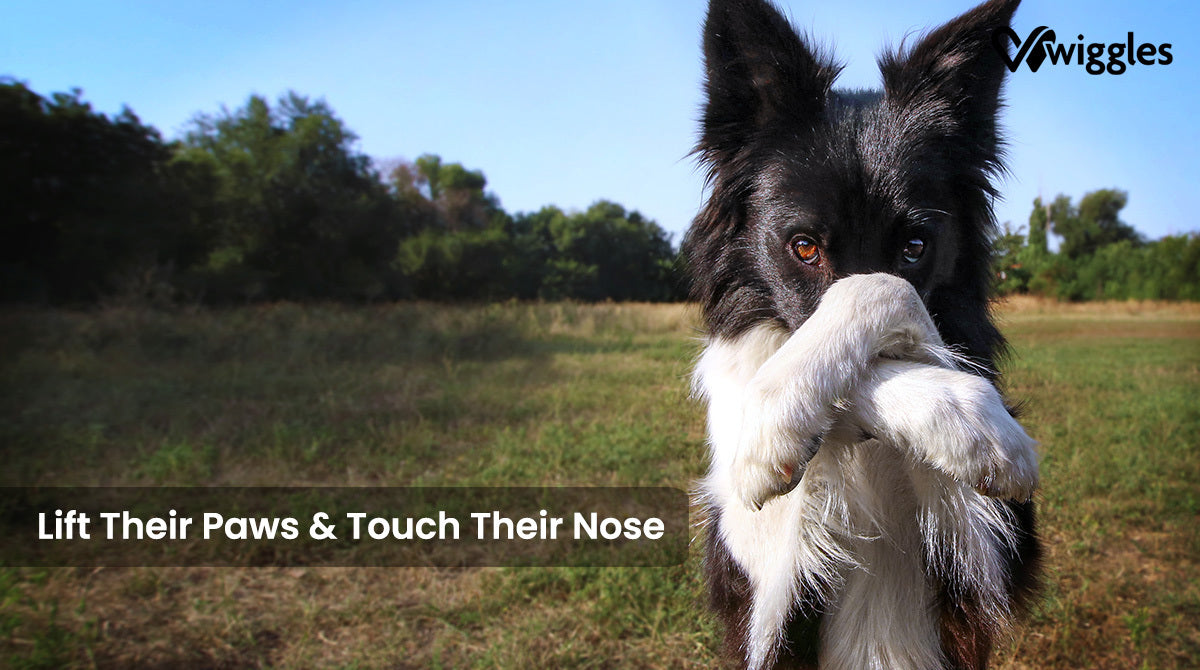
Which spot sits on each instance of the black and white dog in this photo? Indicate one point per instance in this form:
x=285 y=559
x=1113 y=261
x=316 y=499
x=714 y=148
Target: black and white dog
x=869 y=494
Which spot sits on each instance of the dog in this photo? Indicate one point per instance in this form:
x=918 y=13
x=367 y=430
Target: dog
x=868 y=502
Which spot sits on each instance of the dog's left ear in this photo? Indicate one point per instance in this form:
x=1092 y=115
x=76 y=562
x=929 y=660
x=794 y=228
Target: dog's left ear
x=957 y=68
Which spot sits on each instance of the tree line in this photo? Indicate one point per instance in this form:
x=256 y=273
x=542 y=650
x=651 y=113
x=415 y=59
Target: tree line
x=271 y=201
x=1099 y=256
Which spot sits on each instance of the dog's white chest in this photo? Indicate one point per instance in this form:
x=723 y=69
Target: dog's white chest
x=870 y=522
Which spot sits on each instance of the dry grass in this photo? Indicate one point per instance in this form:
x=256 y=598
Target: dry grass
x=1019 y=306
x=528 y=394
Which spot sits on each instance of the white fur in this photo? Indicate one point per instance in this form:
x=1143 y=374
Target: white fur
x=865 y=512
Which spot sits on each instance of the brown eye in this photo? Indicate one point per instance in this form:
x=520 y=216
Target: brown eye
x=913 y=250
x=806 y=250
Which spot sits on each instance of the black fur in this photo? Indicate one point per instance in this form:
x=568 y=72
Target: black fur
x=787 y=154
x=729 y=597
x=860 y=176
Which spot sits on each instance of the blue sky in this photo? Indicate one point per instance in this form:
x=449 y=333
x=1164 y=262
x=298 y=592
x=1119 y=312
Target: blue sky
x=567 y=102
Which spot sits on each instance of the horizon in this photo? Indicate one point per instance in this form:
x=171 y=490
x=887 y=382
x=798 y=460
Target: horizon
x=569 y=104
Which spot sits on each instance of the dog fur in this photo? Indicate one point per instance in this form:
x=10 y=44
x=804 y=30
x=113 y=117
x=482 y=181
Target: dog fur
x=868 y=500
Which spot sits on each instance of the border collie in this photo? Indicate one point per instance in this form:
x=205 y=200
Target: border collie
x=868 y=500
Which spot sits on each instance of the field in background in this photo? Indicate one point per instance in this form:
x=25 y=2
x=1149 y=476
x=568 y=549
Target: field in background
x=520 y=394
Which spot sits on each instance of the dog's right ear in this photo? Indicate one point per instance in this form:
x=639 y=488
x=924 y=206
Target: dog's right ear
x=759 y=73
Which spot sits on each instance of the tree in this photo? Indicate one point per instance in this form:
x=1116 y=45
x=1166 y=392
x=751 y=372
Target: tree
x=1094 y=224
x=273 y=201
x=604 y=252
x=300 y=213
x=608 y=252
x=91 y=201
x=1038 y=220
x=456 y=265
x=447 y=195
x=1011 y=274
x=1102 y=257
x=429 y=172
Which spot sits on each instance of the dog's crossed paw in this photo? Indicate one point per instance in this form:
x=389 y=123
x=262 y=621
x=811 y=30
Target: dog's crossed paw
x=974 y=438
x=887 y=309
x=1010 y=468
x=758 y=482
x=771 y=457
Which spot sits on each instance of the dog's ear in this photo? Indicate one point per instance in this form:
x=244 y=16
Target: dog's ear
x=957 y=68
x=759 y=72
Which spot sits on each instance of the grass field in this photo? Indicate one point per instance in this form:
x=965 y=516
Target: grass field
x=556 y=394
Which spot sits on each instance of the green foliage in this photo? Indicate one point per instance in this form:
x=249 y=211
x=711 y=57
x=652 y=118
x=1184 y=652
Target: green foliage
x=1038 y=220
x=1012 y=275
x=602 y=253
x=1168 y=269
x=429 y=169
x=298 y=213
x=457 y=265
x=1100 y=258
x=91 y=201
x=445 y=195
x=273 y=201
x=1093 y=224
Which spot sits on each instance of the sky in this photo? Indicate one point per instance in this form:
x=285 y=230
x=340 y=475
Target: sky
x=567 y=102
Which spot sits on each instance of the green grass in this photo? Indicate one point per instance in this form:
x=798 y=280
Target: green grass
x=519 y=394
x=1114 y=397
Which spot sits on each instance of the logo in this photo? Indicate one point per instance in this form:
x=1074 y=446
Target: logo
x=1096 y=57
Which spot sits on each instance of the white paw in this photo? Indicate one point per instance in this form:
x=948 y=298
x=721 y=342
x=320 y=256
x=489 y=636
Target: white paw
x=978 y=442
x=1009 y=467
x=757 y=482
x=771 y=456
x=889 y=309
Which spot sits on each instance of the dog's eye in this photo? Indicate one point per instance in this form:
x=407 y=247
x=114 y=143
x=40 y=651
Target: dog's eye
x=913 y=250
x=806 y=250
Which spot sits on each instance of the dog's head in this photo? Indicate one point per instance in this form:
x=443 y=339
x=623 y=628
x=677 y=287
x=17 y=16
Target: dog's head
x=809 y=185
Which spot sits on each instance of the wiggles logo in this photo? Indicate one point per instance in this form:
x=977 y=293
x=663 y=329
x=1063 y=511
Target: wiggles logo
x=1041 y=44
